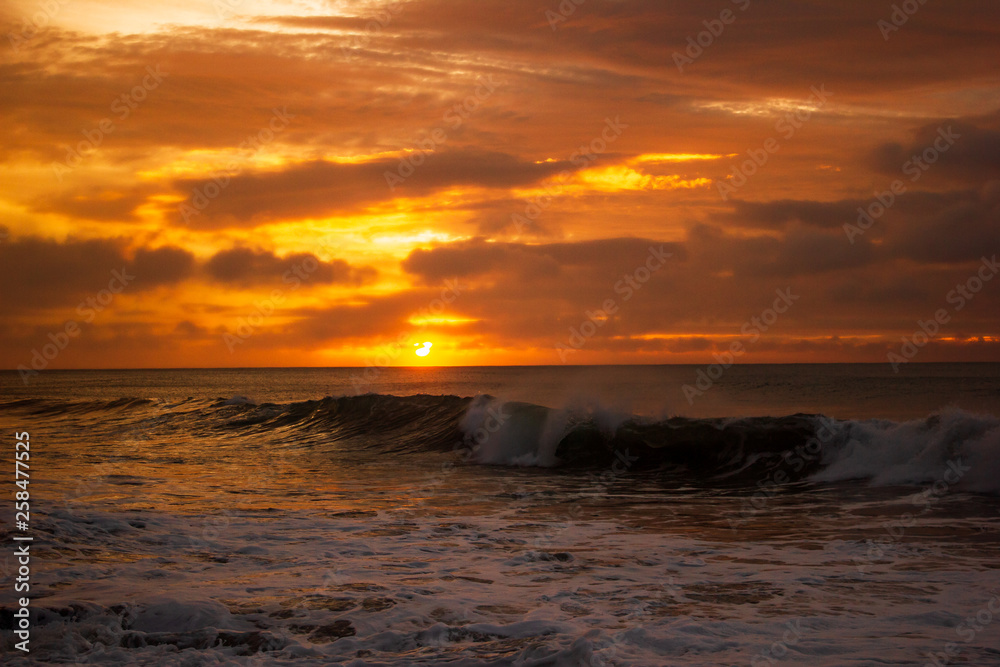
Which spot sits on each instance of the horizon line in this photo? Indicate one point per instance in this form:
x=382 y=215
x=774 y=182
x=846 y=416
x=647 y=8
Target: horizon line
x=382 y=368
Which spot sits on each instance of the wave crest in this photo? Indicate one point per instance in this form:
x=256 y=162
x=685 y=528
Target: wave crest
x=961 y=448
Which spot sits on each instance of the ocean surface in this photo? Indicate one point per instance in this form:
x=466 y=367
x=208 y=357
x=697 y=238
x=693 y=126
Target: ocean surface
x=629 y=515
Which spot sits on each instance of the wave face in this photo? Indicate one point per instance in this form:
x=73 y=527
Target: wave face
x=958 y=449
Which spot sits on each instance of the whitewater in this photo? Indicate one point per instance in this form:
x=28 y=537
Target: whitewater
x=828 y=515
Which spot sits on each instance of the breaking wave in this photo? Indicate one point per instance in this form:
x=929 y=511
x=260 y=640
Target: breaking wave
x=961 y=448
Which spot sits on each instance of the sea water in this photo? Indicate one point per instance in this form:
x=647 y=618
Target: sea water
x=821 y=514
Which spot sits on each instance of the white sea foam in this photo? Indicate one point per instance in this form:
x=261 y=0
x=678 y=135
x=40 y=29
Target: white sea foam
x=342 y=532
x=522 y=434
x=486 y=590
x=957 y=448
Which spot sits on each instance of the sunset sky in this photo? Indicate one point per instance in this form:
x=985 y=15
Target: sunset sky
x=306 y=183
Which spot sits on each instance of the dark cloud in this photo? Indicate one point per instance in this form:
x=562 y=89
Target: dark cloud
x=502 y=222
x=699 y=292
x=245 y=267
x=802 y=251
x=779 y=214
x=478 y=257
x=534 y=262
x=383 y=89
x=319 y=188
x=355 y=90
x=39 y=273
x=858 y=293
x=97 y=204
x=828 y=215
x=188 y=329
x=377 y=320
x=957 y=229
x=947 y=149
x=162 y=266
x=928 y=227
x=831 y=41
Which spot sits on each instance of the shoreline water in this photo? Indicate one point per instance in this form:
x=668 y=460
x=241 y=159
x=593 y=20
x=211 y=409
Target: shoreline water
x=195 y=526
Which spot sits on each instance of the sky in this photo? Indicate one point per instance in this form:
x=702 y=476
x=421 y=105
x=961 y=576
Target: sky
x=234 y=183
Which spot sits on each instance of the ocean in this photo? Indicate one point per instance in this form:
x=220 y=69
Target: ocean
x=613 y=515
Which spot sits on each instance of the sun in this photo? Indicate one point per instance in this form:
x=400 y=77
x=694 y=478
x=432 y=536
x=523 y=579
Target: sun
x=423 y=351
